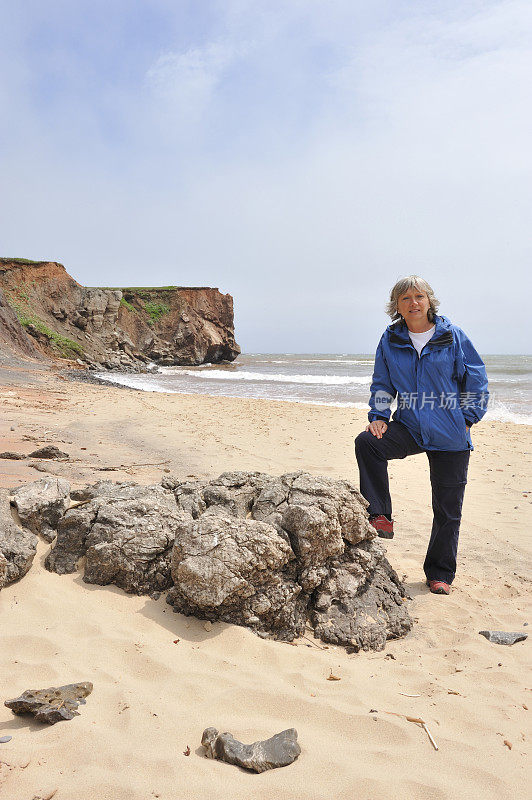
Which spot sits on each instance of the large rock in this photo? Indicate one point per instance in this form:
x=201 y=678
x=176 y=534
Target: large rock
x=48 y=451
x=361 y=602
x=125 y=532
x=17 y=545
x=319 y=515
x=331 y=571
x=237 y=570
x=268 y=553
x=41 y=504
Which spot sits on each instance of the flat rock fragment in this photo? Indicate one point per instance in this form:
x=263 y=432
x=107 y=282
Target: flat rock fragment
x=504 y=637
x=51 y=705
x=40 y=467
x=278 y=751
x=9 y=454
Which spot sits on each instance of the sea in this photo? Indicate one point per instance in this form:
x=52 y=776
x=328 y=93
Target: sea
x=333 y=379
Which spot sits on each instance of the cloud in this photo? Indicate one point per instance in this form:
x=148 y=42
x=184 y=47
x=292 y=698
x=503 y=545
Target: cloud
x=301 y=156
x=185 y=82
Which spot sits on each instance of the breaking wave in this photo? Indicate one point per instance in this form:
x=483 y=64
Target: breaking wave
x=227 y=375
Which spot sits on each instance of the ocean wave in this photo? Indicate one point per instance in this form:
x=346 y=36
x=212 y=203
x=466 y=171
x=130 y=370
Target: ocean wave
x=343 y=361
x=320 y=380
x=134 y=381
x=501 y=413
x=506 y=378
x=150 y=385
x=498 y=412
x=312 y=361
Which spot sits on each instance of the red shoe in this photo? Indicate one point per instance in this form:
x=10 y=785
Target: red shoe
x=439 y=587
x=383 y=526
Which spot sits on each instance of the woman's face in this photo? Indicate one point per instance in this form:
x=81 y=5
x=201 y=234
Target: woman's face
x=413 y=304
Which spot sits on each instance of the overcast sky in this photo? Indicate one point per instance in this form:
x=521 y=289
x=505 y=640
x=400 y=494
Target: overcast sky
x=299 y=154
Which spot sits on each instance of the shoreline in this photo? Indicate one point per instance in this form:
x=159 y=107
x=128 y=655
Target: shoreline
x=209 y=380
x=471 y=693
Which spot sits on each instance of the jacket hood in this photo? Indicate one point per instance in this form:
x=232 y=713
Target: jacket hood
x=398 y=331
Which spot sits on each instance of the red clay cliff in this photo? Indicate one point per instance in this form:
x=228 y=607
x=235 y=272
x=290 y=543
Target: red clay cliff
x=119 y=328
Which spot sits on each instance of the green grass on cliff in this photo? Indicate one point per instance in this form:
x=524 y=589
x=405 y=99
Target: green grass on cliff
x=125 y=304
x=156 y=310
x=64 y=346
x=153 y=308
x=147 y=290
x=139 y=289
x=5 y=260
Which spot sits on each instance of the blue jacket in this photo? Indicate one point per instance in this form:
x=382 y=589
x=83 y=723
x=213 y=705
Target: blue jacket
x=438 y=393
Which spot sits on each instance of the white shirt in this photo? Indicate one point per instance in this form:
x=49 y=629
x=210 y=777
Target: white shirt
x=419 y=340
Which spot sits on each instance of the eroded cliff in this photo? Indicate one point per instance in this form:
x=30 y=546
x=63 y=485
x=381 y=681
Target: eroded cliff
x=117 y=328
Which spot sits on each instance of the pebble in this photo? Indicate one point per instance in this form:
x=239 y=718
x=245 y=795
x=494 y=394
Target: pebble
x=4 y=739
x=278 y=751
x=504 y=637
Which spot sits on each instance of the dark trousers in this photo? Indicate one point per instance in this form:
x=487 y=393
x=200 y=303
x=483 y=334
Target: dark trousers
x=448 y=478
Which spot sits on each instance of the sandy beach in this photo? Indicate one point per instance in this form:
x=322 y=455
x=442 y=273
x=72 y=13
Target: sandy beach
x=161 y=678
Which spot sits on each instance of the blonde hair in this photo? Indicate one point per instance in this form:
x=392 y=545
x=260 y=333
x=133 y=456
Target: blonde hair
x=402 y=286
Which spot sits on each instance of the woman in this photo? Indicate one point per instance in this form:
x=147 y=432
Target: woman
x=442 y=390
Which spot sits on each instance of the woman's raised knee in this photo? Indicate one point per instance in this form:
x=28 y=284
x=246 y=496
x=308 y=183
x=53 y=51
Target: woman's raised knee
x=363 y=441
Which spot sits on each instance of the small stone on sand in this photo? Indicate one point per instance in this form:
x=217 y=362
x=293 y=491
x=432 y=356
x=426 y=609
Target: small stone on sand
x=503 y=637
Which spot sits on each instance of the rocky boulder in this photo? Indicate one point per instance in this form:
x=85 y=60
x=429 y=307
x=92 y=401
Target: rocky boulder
x=269 y=553
x=17 y=545
x=322 y=565
x=126 y=533
x=41 y=504
x=361 y=600
x=318 y=515
x=238 y=570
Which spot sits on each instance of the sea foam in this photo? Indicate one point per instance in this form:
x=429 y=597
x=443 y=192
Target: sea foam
x=230 y=375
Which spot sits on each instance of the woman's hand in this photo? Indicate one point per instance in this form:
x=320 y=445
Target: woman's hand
x=378 y=428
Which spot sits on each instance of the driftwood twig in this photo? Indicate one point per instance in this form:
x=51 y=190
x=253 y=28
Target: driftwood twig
x=433 y=743
x=418 y=721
